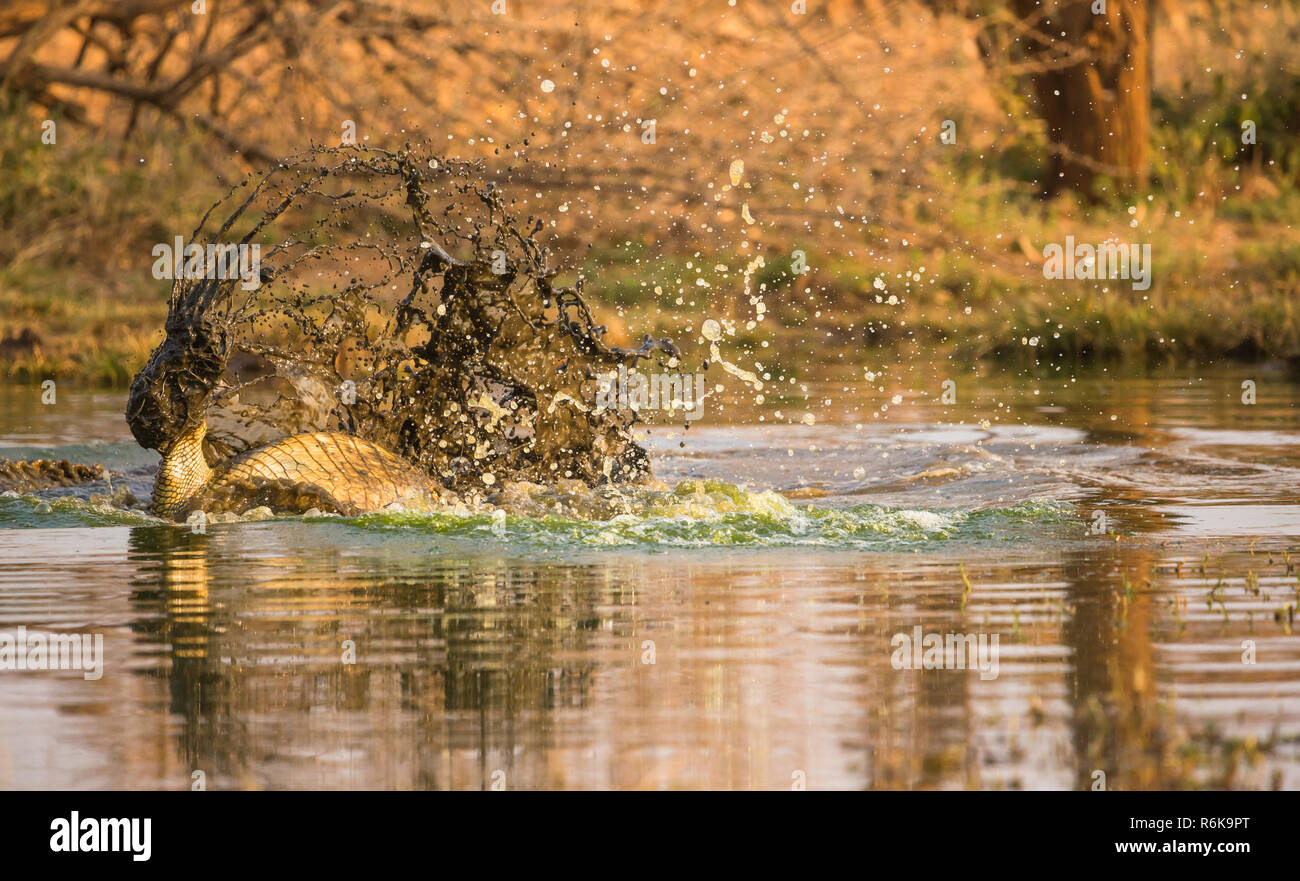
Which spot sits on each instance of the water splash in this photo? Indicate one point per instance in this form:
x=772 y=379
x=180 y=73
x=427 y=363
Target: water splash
x=695 y=514
x=401 y=300
x=710 y=514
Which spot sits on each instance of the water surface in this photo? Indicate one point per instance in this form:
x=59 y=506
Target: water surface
x=733 y=629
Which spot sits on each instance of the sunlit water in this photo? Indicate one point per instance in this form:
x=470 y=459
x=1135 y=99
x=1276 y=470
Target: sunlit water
x=1131 y=541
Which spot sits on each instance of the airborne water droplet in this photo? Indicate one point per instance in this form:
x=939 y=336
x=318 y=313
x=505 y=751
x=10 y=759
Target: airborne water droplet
x=737 y=171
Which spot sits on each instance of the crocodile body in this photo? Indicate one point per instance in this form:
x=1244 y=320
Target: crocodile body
x=330 y=471
x=41 y=474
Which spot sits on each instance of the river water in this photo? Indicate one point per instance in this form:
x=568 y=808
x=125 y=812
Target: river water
x=1131 y=541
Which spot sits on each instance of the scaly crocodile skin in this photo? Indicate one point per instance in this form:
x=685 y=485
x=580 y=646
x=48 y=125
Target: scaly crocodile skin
x=326 y=470
x=37 y=474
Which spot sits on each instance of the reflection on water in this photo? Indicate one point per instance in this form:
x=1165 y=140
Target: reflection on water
x=494 y=661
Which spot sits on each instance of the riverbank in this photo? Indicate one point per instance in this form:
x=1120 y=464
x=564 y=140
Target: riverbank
x=957 y=275
x=99 y=330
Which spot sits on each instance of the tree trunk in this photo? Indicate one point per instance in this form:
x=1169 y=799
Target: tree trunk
x=1093 y=88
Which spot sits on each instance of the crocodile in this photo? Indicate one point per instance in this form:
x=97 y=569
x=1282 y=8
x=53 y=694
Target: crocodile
x=39 y=474
x=327 y=470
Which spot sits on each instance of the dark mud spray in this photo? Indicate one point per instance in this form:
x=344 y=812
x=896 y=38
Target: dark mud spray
x=401 y=300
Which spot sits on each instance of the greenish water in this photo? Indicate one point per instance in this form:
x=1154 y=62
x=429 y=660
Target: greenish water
x=735 y=626
x=768 y=521
x=862 y=527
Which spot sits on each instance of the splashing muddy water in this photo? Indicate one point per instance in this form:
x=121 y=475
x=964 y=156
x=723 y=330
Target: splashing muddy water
x=403 y=302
